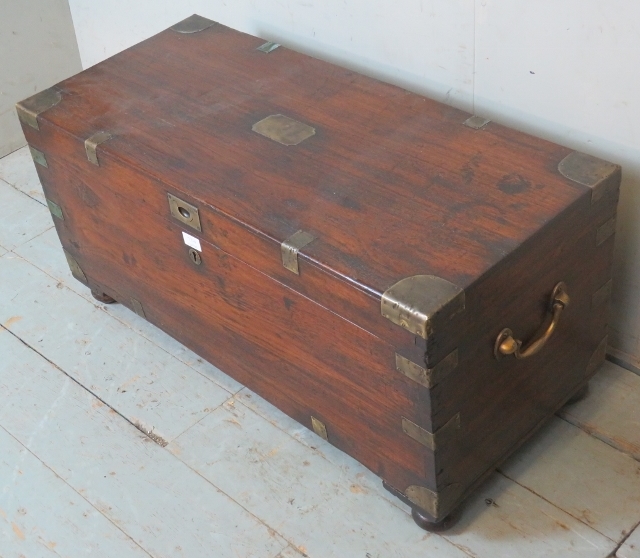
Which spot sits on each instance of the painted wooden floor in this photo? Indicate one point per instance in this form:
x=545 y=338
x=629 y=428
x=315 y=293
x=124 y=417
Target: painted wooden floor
x=117 y=441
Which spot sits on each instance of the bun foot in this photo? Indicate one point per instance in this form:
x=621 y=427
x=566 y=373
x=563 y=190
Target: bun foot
x=579 y=395
x=425 y=522
x=102 y=297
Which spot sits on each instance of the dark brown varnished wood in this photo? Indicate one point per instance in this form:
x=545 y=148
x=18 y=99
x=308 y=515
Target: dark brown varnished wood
x=391 y=185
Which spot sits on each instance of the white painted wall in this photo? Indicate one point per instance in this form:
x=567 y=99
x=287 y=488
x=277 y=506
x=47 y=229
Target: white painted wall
x=37 y=49
x=566 y=70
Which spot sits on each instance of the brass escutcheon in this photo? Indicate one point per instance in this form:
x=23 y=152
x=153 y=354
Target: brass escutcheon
x=506 y=344
x=195 y=256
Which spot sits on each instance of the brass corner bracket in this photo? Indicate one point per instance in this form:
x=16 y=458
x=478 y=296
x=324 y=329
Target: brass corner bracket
x=290 y=248
x=192 y=24
x=590 y=171
x=437 y=504
x=75 y=268
x=268 y=47
x=414 y=302
x=427 y=377
x=91 y=145
x=29 y=109
x=476 y=122
x=436 y=440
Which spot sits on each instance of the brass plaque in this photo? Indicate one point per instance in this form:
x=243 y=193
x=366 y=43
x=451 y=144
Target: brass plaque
x=283 y=129
x=38 y=157
x=319 y=428
x=91 y=145
x=437 y=504
x=184 y=212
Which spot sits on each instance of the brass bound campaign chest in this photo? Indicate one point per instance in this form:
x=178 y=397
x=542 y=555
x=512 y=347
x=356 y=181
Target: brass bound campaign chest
x=420 y=286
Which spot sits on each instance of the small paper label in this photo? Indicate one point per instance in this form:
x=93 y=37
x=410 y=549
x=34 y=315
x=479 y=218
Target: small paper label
x=192 y=241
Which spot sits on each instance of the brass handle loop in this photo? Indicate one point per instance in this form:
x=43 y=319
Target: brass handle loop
x=506 y=344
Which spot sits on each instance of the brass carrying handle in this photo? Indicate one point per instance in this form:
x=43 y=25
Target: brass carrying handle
x=506 y=344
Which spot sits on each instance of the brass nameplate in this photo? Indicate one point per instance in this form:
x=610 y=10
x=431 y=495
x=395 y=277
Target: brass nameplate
x=283 y=129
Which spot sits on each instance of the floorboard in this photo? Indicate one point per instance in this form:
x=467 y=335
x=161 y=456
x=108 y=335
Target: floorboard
x=81 y=383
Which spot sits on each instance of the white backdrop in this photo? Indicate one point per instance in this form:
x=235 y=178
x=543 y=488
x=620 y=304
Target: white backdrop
x=37 y=49
x=566 y=70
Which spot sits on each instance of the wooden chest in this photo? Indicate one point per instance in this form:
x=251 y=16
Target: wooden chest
x=422 y=287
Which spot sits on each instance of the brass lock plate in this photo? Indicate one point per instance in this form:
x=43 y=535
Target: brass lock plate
x=184 y=212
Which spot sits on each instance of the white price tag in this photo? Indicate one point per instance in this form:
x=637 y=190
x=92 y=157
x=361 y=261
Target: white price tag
x=192 y=241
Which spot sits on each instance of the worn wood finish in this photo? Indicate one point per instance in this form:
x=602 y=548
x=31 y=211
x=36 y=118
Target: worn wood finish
x=396 y=188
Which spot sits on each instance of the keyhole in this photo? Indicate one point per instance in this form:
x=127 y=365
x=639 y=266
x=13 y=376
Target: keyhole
x=184 y=212
x=195 y=256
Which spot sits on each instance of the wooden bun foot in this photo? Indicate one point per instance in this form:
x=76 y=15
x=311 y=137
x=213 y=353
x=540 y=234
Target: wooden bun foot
x=102 y=297
x=579 y=395
x=426 y=523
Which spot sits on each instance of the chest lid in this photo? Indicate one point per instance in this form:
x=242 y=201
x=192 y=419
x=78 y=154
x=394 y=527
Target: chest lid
x=357 y=193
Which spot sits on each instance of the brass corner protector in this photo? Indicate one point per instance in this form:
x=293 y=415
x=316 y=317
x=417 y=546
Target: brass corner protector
x=283 y=129
x=590 y=171
x=319 y=428
x=427 y=377
x=598 y=356
x=184 y=212
x=605 y=231
x=437 y=504
x=602 y=295
x=91 y=145
x=435 y=440
x=414 y=302
x=29 y=109
x=55 y=209
x=75 y=268
x=137 y=308
x=192 y=24
x=38 y=157
x=268 y=47
x=290 y=248
x=476 y=122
